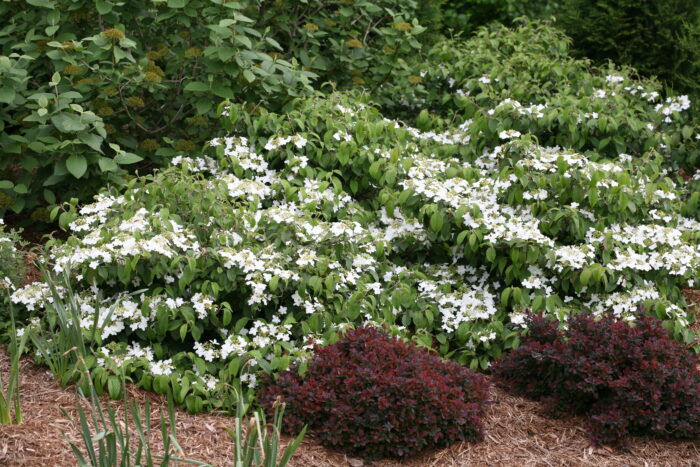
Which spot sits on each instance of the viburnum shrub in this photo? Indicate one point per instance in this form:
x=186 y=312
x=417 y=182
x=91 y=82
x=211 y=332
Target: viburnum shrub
x=296 y=224
x=376 y=396
x=525 y=79
x=299 y=224
x=629 y=378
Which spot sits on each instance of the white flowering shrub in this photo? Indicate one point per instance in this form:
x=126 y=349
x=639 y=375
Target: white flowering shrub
x=12 y=267
x=294 y=227
x=525 y=80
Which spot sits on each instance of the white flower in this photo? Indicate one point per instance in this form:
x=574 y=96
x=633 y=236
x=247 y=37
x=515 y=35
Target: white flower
x=509 y=134
x=162 y=367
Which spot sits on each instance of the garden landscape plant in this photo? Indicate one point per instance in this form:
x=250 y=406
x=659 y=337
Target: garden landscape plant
x=232 y=263
x=332 y=215
x=628 y=379
x=376 y=396
x=12 y=274
x=93 y=91
x=526 y=79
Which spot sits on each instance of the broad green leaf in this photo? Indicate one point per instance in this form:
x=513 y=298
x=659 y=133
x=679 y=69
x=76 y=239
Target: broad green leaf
x=76 y=165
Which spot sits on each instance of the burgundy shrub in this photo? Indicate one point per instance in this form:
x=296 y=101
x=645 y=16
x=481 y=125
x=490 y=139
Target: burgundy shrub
x=627 y=379
x=376 y=396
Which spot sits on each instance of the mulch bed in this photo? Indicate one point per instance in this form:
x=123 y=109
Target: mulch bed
x=516 y=435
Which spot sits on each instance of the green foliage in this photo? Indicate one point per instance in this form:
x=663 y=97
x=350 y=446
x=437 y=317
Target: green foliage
x=525 y=79
x=465 y=16
x=93 y=89
x=353 y=43
x=109 y=443
x=9 y=389
x=87 y=78
x=657 y=37
x=49 y=139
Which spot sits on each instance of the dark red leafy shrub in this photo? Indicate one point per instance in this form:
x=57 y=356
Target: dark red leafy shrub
x=629 y=380
x=375 y=396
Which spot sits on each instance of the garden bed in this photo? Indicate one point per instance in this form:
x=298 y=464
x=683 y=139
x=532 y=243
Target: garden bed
x=517 y=434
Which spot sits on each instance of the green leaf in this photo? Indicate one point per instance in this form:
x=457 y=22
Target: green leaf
x=436 y=221
x=49 y=196
x=114 y=387
x=91 y=140
x=68 y=123
x=222 y=91
x=537 y=303
x=196 y=86
x=41 y=3
x=203 y=105
x=103 y=7
x=491 y=254
x=585 y=276
x=76 y=165
x=243 y=40
x=505 y=295
x=687 y=132
x=107 y=165
x=127 y=158
x=249 y=75
x=7 y=95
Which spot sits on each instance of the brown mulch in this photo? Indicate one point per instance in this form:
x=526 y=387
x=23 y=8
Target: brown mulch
x=516 y=435
x=693 y=297
x=32 y=274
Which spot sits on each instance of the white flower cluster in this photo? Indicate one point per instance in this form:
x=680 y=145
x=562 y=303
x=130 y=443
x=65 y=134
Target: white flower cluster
x=34 y=296
x=197 y=164
x=573 y=256
x=673 y=105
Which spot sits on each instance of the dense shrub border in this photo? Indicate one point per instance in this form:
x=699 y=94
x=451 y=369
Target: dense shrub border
x=299 y=224
x=376 y=396
x=628 y=379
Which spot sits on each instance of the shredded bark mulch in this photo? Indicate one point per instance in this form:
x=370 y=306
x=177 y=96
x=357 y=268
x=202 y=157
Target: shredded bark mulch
x=516 y=435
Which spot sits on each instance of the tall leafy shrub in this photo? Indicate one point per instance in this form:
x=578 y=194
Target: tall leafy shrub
x=465 y=16
x=91 y=88
x=526 y=78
